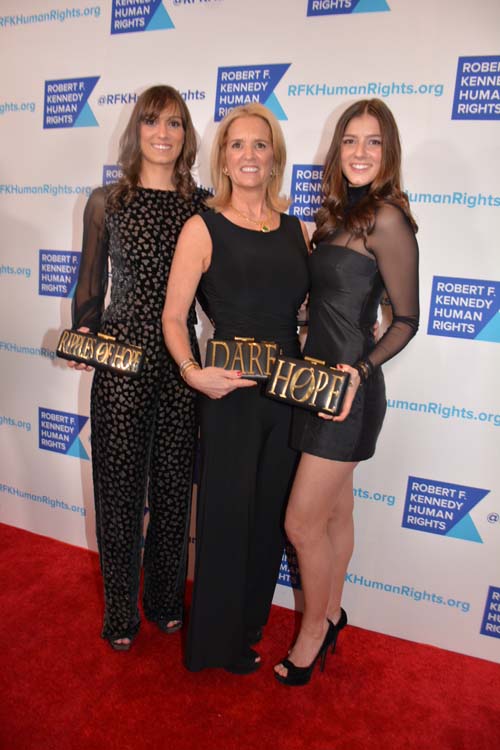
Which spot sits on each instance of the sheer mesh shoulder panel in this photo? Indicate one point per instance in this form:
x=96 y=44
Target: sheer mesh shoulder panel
x=341 y=237
x=395 y=247
x=88 y=302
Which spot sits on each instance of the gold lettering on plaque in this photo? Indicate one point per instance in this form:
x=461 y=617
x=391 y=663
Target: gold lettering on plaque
x=254 y=365
x=102 y=352
x=270 y=359
x=238 y=357
x=119 y=358
x=308 y=384
x=336 y=381
x=278 y=376
x=135 y=357
x=321 y=383
x=87 y=349
x=74 y=340
x=222 y=344
x=80 y=349
x=64 y=340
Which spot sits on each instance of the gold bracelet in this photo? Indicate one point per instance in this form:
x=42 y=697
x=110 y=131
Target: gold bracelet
x=185 y=362
x=187 y=367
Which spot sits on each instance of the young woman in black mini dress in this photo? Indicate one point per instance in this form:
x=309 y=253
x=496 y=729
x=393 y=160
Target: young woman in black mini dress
x=364 y=242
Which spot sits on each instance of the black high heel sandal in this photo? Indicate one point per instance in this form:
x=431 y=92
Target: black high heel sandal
x=246 y=662
x=340 y=625
x=169 y=629
x=116 y=645
x=301 y=675
x=254 y=636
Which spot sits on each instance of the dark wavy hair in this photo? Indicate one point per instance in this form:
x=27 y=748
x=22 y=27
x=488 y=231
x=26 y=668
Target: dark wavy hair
x=148 y=106
x=385 y=188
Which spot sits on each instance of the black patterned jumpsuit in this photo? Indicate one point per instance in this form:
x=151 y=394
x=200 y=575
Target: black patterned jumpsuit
x=143 y=430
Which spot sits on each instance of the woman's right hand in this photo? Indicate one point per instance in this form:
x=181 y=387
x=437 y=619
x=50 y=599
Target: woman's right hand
x=215 y=382
x=79 y=365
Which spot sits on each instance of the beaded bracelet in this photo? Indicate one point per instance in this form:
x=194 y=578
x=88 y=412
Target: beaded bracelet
x=364 y=368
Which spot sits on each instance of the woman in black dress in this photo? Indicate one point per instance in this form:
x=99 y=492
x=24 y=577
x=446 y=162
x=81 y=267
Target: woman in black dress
x=250 y=262
x=143 y=430
x=364 y=241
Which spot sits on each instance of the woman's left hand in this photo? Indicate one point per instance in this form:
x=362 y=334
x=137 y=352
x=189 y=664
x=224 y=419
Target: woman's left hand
x=352 y=389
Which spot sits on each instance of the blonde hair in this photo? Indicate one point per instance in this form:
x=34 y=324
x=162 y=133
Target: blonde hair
x=222 y=183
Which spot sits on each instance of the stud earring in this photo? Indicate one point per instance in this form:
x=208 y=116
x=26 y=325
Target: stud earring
x=226 y=171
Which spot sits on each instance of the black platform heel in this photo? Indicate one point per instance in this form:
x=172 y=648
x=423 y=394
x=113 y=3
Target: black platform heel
x=337 y=628
x=169 y=629
x=116 y=645
x=254 y=636
x=247 y=662
x=301 y=675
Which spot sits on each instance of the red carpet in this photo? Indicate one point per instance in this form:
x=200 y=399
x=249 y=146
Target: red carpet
x=63 y=688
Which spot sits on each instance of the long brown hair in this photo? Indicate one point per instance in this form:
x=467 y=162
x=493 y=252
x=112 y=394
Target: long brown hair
x=148 y=106
x=386 y=187
x=222 y=183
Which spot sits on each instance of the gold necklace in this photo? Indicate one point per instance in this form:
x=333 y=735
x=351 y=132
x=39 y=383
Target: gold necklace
x=263 y=225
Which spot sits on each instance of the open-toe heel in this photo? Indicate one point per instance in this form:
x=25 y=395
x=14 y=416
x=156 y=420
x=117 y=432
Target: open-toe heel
x=169 y=626
x=254 y=636
x=118 y=645
x=301 y=675
x=246 y=663
x=340 y=625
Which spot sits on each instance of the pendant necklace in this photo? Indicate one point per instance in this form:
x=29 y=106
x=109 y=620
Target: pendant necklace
x=263 y=225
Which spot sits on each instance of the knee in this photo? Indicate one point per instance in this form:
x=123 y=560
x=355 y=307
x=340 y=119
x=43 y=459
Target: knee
x=300 y=532
x=342 y=513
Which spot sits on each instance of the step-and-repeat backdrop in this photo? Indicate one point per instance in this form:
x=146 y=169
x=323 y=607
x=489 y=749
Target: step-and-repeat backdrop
x=427 y=560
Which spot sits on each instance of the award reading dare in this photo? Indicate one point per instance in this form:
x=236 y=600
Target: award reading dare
x=255 y=359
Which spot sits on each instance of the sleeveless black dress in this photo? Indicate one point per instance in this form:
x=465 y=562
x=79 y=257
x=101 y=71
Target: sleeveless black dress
x=348 y=278
x=254 y=287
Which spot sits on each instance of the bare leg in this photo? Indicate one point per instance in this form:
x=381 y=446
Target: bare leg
x=319 y=525
x=340 y=531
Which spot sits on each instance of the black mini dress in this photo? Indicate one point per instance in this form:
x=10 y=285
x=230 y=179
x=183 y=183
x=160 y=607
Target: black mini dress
x=348 y=277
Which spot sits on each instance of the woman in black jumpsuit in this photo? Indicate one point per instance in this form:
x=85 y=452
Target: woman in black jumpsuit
x=143 y=430
x=250 y=262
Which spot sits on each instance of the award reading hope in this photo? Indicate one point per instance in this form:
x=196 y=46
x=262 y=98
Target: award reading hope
x=308 y=383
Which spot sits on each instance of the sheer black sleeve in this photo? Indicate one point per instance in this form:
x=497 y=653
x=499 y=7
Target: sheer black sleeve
x=88 y=301
x=395 y=247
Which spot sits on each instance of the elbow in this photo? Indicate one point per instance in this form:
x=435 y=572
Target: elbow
x=416 y=325
x=410 y=322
